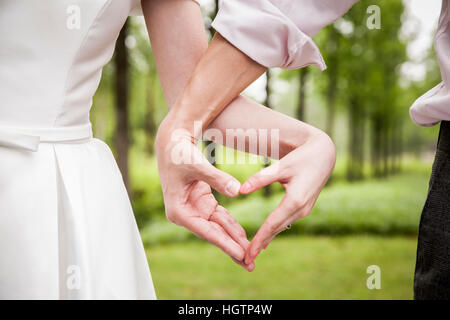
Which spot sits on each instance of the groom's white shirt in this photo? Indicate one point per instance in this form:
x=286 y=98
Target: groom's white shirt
x=277 y=33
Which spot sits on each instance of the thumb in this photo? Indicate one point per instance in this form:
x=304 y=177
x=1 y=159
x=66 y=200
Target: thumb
x=260 y=179
x=220 y=181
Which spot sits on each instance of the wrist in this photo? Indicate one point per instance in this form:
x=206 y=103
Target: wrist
x=296 y=134
x=177 y=126
x=180 y=123
x=306 y=135
x=325 y=143
x=190 y=114
x=168 y=133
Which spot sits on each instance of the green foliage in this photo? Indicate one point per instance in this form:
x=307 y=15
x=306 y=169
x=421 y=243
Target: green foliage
x=390 y=206
x=148 y=203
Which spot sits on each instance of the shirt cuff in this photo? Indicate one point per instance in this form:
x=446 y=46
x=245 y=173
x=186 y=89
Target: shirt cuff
x=261 y=31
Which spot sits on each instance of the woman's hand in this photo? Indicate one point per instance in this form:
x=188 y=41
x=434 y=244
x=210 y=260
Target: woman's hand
x=186 y=177
x=303 y=173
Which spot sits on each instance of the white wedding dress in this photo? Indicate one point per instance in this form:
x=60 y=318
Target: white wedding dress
x=67 y=230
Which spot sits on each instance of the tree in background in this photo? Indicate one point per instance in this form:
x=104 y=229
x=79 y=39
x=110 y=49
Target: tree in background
x=384 y=53
x=302 y=79
x=386 y=113
x=370 y=60
x=146 y=99
x=331 y=46
x=268 y=189
x=355 y=65
x=327 y=83
x=150 y=122
x=121 y=104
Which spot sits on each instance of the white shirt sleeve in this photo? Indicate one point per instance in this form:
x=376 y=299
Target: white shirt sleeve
x=277 y=33
x=434 y=105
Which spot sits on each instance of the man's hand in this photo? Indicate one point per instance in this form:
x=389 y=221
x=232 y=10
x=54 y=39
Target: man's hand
x=186 y=177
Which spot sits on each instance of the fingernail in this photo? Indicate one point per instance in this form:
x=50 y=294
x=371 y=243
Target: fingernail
x=232 y=187
x=245 y=187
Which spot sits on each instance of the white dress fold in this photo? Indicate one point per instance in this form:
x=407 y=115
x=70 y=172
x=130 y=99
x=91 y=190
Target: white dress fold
x=67 y=229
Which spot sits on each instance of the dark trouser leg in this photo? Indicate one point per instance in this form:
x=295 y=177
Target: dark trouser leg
x=432 y=276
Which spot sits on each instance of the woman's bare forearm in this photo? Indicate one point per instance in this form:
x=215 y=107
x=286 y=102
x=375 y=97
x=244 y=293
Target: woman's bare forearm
x=244 y=114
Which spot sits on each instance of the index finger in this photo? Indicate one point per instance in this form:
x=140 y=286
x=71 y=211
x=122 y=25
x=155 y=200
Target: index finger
x=215 y=234
x=275 y=223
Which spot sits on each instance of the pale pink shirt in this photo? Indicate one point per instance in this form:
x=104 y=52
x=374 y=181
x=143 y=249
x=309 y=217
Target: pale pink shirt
x=277 y=33
x=434 y=105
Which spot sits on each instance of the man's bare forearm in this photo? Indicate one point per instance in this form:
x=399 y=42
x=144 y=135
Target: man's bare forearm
x=220 y=76
x=178 y=49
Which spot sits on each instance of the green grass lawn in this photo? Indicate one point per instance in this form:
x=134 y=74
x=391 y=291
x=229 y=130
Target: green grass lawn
x=324 y=256
x=307 y=267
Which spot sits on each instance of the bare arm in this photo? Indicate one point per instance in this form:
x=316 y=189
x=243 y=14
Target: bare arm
x=203 y=83
x=179 y=42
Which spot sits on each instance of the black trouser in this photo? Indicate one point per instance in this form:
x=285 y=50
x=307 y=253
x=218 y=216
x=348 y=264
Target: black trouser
x=432 y=276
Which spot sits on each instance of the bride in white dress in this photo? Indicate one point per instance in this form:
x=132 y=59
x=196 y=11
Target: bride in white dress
x=67 y=230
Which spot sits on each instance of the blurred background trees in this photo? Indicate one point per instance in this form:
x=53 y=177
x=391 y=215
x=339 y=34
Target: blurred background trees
x=361 y=100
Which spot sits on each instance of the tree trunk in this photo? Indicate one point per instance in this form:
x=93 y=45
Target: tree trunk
x=267 y=189
x=213 y=16
x=121 y=95
x=303 y=76
x=385 y=152
x=356 y=141
x=333 y=67
x=150 y=126
x=216 y=2
x=398 y=146
x=376 y=145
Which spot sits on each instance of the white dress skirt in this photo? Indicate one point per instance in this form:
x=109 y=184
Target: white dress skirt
x=67 y=230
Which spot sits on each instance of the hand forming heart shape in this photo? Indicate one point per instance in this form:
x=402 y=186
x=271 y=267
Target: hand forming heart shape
x=186 y=180
x=187 y=177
